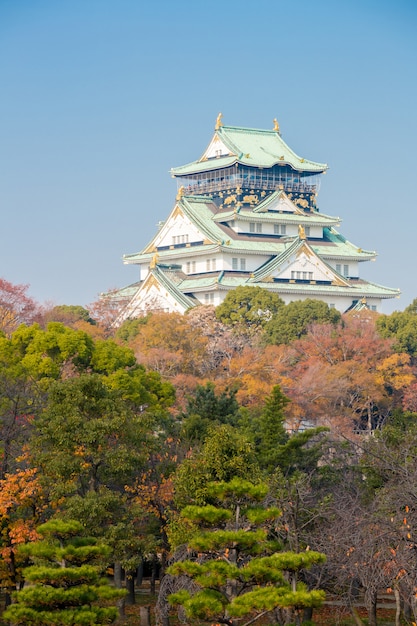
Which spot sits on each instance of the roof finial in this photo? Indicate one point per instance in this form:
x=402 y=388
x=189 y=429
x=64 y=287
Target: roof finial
x=276 y=125
x=219 y=121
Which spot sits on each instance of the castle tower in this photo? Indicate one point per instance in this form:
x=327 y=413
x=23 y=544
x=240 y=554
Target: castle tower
x=246 y=213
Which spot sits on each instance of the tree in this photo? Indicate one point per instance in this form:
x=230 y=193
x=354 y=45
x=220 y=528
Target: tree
x=401 y=327
x=290 y=322
x=22 y=505
x=222 y=342
x=68 y=314
x=225 y=454
x=205 y=408
x=91 y=446
x=106 y=310
x=268 y=430
x=66 y=584
x=16 y=307
x=167 y=343
x=88 y=439
x=236 y=571
x=334 y=377
x=251 y=307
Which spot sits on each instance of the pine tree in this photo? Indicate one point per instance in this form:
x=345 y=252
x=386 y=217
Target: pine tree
x=66 y=587
x=237 y=571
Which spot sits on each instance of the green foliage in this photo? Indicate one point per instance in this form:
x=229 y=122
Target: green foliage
x=205 y=408
x=241 y=540
x=302 y=450
x=69 y=314
x=208 y=514
x=268 y=430
x=411 y=308
x=109 y=357
x=402 y=328
x=235 y=568
x=62 y=352
x=62 y=594
x=290 y=322
x=238 y=489
x=130 y=329
x=87 y=438
x=226 y=454
x=252 y=307
x=203 y=605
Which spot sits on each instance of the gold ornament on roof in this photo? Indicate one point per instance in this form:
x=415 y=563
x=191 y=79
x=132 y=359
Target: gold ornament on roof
x=154 y=261
x=180 y=193
x=219 y=122
x=301 y=232
x=276 y=125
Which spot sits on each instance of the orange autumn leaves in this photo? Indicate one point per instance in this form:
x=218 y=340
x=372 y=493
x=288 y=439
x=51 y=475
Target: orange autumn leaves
x=345 y=376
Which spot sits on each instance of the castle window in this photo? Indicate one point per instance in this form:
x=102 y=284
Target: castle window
x=258 y=227
x=193 y=266
x=234 y=264
x=251 y=227
x=307 y=231
x=208 y=265
x=346 y=270
x=213 y=264
x=188 y=267
x=338 y=268
x=242 y=264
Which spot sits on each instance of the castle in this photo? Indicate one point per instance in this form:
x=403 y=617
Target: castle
x=246 y=214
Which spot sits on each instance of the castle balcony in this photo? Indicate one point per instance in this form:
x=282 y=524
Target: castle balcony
x=213 y=186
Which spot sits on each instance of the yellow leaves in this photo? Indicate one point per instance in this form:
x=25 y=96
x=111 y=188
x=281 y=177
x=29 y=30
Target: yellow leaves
x=395 y=371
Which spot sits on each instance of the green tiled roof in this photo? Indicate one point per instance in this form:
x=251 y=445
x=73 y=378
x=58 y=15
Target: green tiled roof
x=308 y=219
x=355 y=289
x=252 y=147
x=173 y=288
x=337 y=246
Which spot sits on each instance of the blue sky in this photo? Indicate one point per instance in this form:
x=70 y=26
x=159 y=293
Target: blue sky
x=100 y=98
